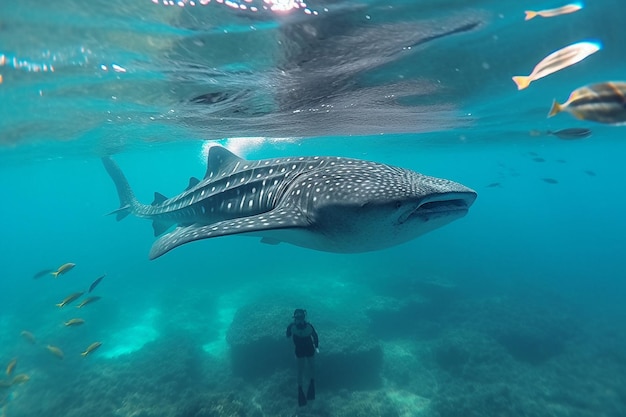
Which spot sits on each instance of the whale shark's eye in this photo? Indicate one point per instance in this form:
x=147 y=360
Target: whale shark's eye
x=398 y=204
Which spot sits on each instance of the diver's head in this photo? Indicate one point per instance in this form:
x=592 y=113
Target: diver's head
x=299 y=316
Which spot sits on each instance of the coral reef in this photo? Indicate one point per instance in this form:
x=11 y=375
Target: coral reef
x=402 y=355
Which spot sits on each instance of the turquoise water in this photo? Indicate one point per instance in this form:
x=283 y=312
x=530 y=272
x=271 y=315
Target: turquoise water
x=514 y=310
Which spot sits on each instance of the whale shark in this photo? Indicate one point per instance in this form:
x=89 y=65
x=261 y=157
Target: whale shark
x=331 y=204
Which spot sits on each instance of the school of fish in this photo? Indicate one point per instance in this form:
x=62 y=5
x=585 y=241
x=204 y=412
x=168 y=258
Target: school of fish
x=56 y=351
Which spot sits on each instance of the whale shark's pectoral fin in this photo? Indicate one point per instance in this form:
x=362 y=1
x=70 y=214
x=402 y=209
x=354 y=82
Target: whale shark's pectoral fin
x=283 y=218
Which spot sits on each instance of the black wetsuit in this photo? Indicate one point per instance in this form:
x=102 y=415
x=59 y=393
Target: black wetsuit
x=305 y=339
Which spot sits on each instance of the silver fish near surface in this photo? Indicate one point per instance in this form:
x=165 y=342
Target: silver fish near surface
x=558 y=60
x=570 y=133
x=568 y=8
x=330 y=204
x=602 y=103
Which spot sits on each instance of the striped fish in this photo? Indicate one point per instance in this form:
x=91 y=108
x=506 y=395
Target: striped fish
x=602 y=103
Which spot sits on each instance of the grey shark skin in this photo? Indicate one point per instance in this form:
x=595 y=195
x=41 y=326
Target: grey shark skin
x=330 y=204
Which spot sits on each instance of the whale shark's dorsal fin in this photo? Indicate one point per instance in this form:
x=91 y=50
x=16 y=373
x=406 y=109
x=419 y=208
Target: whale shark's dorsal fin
x=158 y=198
x=193 y=181
x=219 y=160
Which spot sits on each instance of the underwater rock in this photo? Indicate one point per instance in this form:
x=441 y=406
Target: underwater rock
x=436 y=289
x=427 y=299
x=452 y=358
x=349 y=357
x=533 y=346
x=469 y=355
x=426 y=323
x=352 y=358
x=257 y=341
x=533 y=332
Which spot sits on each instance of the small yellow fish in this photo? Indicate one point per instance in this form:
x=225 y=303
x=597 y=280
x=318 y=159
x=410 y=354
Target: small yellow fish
x=558 y=60
x=69 y=299
x=74 y=322
x=87 y=300
x=20 y=379
x=602 y=103
x=55 y=351
x=11 y=366
x=28 y=336
x=63 y=269
x=568 y=8
x=91 y=348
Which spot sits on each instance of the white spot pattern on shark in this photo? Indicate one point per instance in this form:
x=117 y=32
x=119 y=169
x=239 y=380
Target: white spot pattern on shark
x=331 y=204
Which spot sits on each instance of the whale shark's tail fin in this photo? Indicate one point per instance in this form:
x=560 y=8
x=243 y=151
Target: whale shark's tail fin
x=125 y=193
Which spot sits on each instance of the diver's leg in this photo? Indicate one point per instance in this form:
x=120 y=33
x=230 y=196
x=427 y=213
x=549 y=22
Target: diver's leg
x=310 y=393
x=301 y=370
x=311 y=364
x=301 y=396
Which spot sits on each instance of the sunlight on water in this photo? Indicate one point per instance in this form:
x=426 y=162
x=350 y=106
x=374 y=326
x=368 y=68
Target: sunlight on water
x=17 y=63
x=133 y=338
x=204 y=151
x=277 y=6
x=241 y=146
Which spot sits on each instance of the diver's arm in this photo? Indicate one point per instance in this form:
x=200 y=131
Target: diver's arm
x=289 y=330
x=316 y=341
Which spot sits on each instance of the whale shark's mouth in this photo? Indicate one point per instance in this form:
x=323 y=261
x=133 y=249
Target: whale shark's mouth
x=446 y=205
x=454 y=204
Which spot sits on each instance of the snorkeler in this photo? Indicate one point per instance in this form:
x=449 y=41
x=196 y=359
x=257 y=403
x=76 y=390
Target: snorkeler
x=306 y=342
